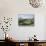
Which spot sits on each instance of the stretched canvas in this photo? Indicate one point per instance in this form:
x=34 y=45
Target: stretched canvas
x=26 y=20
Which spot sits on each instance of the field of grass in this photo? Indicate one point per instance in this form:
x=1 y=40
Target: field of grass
x=26 y=22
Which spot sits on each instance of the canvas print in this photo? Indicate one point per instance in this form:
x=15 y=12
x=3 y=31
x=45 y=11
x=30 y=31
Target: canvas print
x=26 y=20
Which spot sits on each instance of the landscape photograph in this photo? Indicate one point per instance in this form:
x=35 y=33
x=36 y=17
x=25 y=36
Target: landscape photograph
x=26 y=20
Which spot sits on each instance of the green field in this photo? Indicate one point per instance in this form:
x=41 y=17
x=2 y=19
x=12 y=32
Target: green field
x=26 y=22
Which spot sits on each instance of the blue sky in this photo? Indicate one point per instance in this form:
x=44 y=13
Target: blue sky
x=26 y=16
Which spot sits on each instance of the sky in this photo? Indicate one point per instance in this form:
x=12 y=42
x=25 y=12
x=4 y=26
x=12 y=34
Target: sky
x=26 y=16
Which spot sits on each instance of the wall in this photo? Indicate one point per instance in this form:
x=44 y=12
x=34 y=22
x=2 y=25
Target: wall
x=11 y=8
